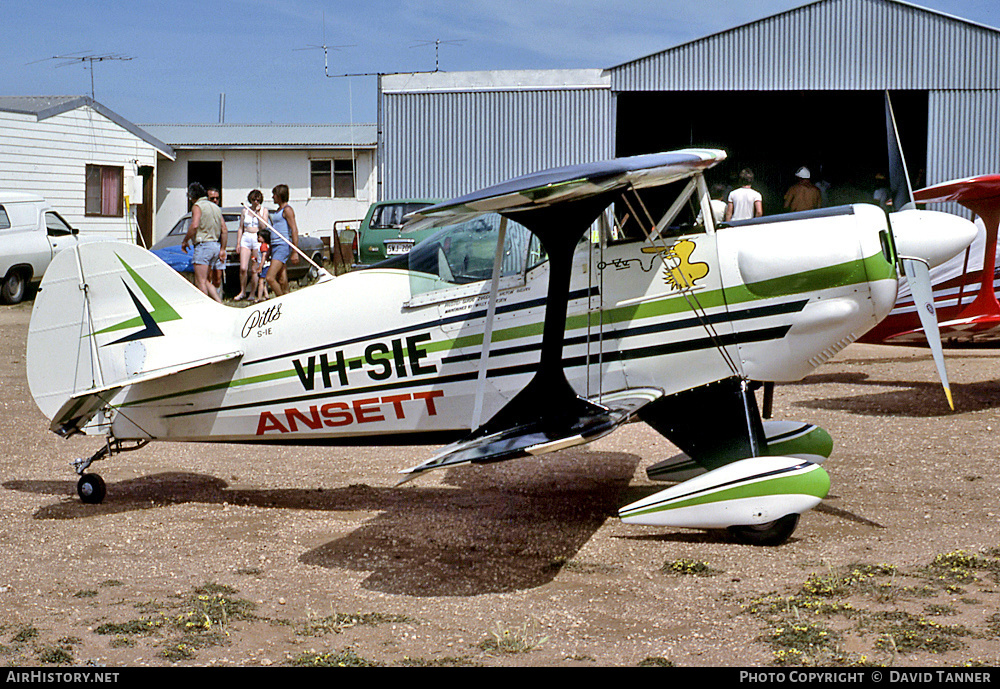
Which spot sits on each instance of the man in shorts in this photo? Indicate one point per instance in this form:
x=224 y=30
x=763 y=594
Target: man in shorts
x=208 y=234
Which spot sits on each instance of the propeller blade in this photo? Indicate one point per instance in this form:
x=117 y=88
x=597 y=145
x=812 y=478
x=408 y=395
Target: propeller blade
x=919 y=277
x=899 y=178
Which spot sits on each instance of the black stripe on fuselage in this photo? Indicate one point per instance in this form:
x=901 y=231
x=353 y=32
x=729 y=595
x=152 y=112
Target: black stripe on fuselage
x=639 y=353
x=611 y=335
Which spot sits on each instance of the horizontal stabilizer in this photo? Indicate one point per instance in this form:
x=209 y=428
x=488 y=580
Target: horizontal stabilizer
x=81 y=408
x=541 y=435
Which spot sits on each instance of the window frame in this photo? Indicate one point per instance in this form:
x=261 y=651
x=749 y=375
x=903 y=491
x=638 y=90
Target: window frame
x=325 y=184
x=342 y=179
x=119 y=190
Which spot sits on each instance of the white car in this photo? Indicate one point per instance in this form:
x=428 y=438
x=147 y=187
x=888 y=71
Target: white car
x=31 y=233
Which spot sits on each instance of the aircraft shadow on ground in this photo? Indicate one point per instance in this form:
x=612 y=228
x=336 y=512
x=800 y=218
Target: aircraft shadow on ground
x=909 y=398
x=495 y=528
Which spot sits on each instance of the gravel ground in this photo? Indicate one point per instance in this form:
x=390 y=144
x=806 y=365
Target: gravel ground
x=242 y=555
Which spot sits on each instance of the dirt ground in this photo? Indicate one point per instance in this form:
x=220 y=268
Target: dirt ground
x=270 y=556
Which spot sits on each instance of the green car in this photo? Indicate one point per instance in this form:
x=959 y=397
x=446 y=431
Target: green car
x=380 y=235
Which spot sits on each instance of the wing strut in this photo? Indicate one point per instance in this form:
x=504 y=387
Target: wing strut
x=491 y=309
x=981 y=195
x=547 y=414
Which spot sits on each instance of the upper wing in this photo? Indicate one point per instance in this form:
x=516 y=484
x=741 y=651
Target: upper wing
x=981 y=188
x=571 y=183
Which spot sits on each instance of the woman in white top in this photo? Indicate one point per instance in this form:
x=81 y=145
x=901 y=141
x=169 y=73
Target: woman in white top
x=246 y=239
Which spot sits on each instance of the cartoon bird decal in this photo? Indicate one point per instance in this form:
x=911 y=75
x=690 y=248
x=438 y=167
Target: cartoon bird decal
x=680 y=272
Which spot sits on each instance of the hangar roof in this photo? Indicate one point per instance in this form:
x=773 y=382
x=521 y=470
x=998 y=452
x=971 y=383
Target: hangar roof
x=828 y=45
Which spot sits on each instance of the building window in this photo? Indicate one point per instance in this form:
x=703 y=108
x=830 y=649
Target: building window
x=104 y=190
x=343 y=179
x=320 y=172
x=332 y=178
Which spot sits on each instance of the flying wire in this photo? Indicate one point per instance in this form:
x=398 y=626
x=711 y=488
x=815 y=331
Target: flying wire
x=686 y=288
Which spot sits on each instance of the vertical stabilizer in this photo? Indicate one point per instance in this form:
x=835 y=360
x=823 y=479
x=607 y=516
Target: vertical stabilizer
x=108 y=315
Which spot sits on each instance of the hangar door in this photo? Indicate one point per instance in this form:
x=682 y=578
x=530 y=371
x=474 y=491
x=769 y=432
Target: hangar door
x=839 y=135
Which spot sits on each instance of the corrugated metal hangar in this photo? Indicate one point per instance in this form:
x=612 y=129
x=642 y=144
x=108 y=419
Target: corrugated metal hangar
x=447 y=133
x=804 y=87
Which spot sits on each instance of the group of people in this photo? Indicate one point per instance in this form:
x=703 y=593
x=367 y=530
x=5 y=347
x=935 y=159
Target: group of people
x=264 y=242
x=745 y=202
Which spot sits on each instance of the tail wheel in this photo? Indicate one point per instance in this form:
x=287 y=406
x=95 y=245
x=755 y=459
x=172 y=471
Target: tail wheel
x=91 y=489
x=771 y=533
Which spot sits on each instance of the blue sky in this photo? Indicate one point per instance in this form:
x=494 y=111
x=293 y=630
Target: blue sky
x=185 y=53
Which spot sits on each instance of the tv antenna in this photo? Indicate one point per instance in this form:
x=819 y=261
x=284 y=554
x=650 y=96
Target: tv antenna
x=89 y=59
x=325 y=48
x=437 y=43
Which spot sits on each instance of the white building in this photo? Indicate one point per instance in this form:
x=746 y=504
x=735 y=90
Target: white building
x=329 y=169
x=96 y=168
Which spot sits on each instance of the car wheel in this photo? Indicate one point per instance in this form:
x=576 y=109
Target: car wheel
x=14 y=288
x=313 y=271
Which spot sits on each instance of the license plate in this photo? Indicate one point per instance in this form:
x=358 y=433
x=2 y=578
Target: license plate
x=398 y=247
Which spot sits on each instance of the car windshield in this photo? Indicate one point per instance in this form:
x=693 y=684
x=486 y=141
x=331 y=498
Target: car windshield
x=181 y=227
x=390 y=216
x=464 y=253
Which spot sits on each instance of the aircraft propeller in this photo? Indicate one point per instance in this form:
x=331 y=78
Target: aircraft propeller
x=917 y=250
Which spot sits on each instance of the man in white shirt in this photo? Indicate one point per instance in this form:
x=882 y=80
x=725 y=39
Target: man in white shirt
x=744 y=203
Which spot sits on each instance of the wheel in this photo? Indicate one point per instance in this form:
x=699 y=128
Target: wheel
x=14 y=288
x=771 y=533
x=91 y=489
x=313 y=271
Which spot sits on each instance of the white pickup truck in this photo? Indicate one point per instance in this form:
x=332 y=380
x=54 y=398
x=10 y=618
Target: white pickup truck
x=31 y=233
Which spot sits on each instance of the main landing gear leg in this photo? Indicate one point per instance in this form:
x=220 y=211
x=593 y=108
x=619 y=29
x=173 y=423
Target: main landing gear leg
x=91 y=487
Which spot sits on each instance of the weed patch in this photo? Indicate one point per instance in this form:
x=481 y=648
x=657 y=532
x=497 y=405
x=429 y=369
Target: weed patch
x=518 y=640
x=811 y=626
x=339 y=622
x=200 y=620
x=25 y=634
x=689 y=568
x=345 y=658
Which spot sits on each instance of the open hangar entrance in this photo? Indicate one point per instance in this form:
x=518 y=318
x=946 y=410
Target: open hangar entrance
x=839 y=135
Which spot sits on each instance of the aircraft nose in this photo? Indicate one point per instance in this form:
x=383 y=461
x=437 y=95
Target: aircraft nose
x=930 y=235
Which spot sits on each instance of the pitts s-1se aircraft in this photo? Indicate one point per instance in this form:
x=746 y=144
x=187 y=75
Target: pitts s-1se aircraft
x=510 y=332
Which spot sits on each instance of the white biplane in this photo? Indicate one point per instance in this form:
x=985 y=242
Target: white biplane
x=531 y=322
